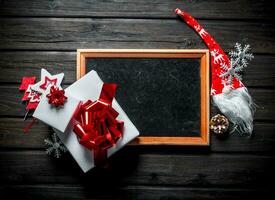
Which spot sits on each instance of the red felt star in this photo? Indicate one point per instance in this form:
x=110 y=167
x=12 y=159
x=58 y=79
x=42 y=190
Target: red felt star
x=34 y=96
x=25 y=97
x=26 y=81
x=47 y=82
x=31 y=95
x=32 y=105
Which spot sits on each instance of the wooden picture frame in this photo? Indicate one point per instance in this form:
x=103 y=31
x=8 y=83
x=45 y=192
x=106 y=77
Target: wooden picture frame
x=202 y=54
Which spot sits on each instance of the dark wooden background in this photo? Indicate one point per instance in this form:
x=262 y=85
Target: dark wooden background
x=35 y=34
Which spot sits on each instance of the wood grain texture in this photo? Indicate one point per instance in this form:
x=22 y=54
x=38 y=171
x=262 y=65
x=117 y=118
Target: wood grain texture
x=15 y=65
x=230 y=9
x=12 y=136
x=46 y=33
x=80 y=33
x=263 y=140
x=129 y=192
x=142 y=168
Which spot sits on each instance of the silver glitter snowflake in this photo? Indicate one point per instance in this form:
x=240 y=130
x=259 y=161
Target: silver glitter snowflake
x=55 y=146
x=232 y=71
x=242 y=53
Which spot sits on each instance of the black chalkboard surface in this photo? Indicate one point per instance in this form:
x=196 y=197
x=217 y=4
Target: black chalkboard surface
x=162 y=95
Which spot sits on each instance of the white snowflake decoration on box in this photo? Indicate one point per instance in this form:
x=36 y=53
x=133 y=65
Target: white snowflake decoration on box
x=55 y=146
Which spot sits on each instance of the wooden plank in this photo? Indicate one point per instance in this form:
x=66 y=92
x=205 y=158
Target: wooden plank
x=172 y=168
x=261 y=71
x=12 y=136
x=146 y=173
x=10 y=99
x=263 y=140
x=232 y=9
x=71 y=34
x=15 y=65
x=127 y=192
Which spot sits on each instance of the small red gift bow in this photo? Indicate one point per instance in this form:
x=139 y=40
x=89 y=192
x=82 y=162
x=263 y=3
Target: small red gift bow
x=98 y=129
x=56 y=96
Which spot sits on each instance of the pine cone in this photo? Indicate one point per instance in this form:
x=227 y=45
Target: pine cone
x=219 y=124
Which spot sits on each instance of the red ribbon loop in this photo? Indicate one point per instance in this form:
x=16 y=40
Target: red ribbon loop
x=97 y=128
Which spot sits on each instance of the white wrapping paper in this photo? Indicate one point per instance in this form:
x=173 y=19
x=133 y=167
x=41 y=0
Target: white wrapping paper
x=89 y=87
x=60 y=117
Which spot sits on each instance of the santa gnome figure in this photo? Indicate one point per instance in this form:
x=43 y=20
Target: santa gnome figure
x=227 y=91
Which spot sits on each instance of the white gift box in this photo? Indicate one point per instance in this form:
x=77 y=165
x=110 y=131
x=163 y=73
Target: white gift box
x=89 y=87
x=60 y=117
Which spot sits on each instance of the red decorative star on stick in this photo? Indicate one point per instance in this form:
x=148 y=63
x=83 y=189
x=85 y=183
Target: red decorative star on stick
x=47 y=80
x=30 y=95
x=26 y=81
x=34 y=91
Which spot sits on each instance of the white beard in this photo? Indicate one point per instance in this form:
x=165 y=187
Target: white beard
x=238 y=106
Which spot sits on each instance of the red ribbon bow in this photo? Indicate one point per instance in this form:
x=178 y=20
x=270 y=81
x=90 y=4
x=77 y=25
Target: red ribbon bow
x=56 y=96
x=98 y=129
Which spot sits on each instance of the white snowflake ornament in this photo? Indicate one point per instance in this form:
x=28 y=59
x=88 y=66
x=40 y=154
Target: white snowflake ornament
x=241 y=53
x=232 y=71
x=55 y=146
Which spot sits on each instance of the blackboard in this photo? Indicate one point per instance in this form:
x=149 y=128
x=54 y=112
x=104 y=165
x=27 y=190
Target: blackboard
x=160 y=90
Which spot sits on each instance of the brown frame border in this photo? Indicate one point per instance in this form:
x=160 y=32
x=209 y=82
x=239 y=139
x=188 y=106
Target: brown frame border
x=203 y=54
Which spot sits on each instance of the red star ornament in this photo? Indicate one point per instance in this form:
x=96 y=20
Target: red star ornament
x=31 y=95
x=47 y=80
x=32 y=105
